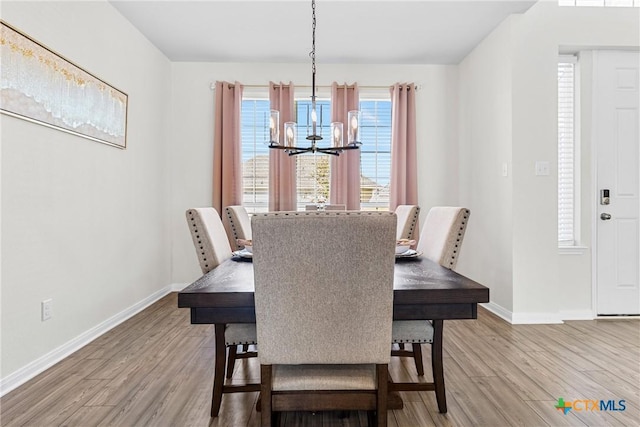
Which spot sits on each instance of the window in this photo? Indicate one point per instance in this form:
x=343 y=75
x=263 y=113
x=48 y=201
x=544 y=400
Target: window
x=255 y=154
x=312 y=170
x=600 y=3
x=567 y=150
x=375 y=156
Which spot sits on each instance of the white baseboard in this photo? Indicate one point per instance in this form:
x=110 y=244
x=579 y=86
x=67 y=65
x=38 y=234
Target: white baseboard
x=498 y=310
x=536 y=318
x=577 y=315
x=41 y=364
x=177 y=287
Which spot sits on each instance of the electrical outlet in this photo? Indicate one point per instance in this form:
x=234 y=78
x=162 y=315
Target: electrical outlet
x=47 y=309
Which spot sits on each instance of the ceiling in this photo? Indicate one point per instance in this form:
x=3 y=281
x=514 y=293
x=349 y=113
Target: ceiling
x=348 y=31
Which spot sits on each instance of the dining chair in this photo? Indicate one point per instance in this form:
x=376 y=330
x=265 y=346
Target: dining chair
x=407 y=221
x=440 y=241
x=327 y=207
x=239 y=224
x=323 y=285
x=212 y=247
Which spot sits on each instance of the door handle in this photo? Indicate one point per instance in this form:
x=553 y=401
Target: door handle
x=605 y=216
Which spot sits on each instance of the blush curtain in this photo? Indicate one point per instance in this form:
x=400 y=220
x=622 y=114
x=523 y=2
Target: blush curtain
x=227 y=170
x=282 y=167
x=345 y=169
x=404 y=168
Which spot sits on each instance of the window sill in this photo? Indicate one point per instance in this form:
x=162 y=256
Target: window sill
x=572 y=250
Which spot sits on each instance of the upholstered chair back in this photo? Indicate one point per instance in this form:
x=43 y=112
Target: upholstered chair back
x=407 y=220
x=324 y=286
x=239 y=223
x=442 y=234
x=209 y=237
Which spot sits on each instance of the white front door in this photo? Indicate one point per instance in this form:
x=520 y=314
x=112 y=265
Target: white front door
x=617 y=141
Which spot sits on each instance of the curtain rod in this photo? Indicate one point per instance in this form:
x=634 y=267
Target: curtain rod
x=213 y=86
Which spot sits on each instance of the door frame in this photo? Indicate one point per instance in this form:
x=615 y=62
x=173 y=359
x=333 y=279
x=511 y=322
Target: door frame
x=595 y=189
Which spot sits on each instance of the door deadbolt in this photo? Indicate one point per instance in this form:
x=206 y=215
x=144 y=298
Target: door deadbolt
x=605 y=216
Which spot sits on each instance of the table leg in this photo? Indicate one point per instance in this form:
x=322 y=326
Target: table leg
x=436 y=364
x=218 y=375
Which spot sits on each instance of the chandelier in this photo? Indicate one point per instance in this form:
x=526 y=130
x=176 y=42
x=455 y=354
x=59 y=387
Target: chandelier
x=289 y=144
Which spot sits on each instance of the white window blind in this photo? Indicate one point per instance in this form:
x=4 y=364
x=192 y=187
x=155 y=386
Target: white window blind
x=566 y=154
x=375 y=156
x=255 y=154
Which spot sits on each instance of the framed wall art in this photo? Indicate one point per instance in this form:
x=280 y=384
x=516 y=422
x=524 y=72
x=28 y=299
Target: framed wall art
x=43 y=87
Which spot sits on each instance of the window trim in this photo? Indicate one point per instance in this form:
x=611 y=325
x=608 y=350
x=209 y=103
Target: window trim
x=374 y=96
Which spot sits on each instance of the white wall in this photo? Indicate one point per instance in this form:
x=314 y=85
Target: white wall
x=192 y=151
x=485 y=149
x=546 y=285
x=83 y=223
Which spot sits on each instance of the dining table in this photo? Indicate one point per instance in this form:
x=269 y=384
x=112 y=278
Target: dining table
x=422 y=290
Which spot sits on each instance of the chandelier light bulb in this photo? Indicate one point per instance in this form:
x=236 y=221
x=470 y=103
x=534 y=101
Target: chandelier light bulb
x=290 y=134
x=354 y=127
x=274 y=126
x=336 y=134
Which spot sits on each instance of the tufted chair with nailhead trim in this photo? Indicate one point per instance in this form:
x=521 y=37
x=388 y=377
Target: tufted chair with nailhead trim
x=440 y=241
x=334 y=303
x=212 y=247
x=407 y=220
x=240 y=224
x=442 y=235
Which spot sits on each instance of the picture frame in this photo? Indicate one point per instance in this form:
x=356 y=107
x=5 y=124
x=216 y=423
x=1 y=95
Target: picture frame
x=43 y=87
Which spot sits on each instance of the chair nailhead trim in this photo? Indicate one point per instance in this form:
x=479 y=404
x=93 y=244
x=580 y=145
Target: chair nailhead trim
x=233 y=225
x=197 y=235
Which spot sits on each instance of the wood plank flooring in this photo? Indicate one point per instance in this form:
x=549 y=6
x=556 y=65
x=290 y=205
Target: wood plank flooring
x=156 y=369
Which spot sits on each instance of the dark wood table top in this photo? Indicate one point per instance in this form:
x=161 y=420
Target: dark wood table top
x=422 y=290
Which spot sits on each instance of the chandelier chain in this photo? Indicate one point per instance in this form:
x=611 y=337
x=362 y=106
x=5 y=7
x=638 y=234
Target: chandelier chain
x=312 y=54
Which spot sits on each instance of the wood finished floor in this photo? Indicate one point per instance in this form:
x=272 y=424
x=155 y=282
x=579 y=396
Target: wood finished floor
x=156 y=369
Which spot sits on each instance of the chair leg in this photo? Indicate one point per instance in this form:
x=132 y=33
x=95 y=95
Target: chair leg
x=218 y=375
x=231 y=360
x=417 y=358
x=266 y=415
x=381 y=406
x=437 y=366
x=371 y=418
